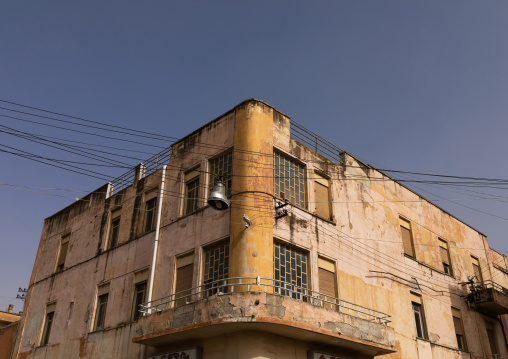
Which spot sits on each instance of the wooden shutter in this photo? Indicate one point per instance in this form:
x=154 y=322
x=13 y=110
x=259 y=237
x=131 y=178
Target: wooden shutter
x=407 y=241
x=184 y=274
x=476 y=268
x=322 y=196
x=415 y=298
x=443 y=249
x=326 y=273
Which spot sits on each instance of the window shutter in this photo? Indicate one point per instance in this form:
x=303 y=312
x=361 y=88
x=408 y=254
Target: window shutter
x=415 y=298
x=326 y=273
x=51 y=307
x=326 y=282
x=444 y=255
x=406 y=240
x=322 y=199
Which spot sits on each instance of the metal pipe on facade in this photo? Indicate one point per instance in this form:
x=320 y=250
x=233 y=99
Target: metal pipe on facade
x=156 y=241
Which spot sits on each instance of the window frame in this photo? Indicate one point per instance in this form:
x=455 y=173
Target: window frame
x=225 y=274
x=185 y=260
x=493 y=343
x=49 y=318
x=101 y=308
x=402 y=224
x=114 y=228
x=191 y=176
x=135 y=303
x=459 y=327
x=447 y=267
x=306 y=268
x=475 y=262
x=296 y=162
x=419 y=316
x=150 y=211
x=329 y=266
x=318 y=179
x=228 y=180
x=64 y=245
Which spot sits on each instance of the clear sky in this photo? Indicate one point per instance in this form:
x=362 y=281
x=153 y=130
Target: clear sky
x=404 y=85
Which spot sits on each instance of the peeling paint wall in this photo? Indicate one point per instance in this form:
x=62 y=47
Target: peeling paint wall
x=362 y=239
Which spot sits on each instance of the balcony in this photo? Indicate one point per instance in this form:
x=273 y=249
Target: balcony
x=264 y=305
x=489 y=297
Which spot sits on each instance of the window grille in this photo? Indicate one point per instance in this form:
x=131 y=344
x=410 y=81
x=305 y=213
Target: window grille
x=288 y=180
x=222 y=166
x=216 y=266
x=290 y=265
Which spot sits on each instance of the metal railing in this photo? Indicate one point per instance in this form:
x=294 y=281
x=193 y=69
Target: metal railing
x=267 y=285
x=490 y=284
x=315 y=142
x=149 y=166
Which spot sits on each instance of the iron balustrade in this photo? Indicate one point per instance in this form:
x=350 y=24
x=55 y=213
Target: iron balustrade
x=149 y=166
x=315 y=142
x=258 y=284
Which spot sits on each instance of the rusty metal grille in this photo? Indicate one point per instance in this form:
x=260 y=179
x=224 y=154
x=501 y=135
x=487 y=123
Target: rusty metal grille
x=288 y=180
x=290 y=266
x=216 y=265
x=222 y=166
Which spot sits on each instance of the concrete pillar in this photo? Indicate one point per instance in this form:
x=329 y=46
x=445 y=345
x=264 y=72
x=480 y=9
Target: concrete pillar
x=251 y=249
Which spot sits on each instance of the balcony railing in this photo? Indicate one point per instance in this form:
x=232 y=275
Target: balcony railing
x=315 y=142
x=149 y=166
x=267 y=285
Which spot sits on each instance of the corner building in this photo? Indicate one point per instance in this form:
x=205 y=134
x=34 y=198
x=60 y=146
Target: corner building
x=318 y=256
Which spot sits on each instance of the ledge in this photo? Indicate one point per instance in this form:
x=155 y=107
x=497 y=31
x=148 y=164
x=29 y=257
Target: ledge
x=265 y=312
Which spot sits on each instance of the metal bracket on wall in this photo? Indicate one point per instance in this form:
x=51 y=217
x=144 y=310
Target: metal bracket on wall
x=280 y=210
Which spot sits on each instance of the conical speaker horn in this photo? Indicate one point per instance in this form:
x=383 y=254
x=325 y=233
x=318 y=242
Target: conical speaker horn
x=218 y=199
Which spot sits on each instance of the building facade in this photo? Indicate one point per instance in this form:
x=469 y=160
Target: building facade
x=318 y=255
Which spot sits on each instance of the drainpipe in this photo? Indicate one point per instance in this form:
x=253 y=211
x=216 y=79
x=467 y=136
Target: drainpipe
x=156 y=242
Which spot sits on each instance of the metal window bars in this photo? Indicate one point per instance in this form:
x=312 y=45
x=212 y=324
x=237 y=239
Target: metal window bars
x=267 y=285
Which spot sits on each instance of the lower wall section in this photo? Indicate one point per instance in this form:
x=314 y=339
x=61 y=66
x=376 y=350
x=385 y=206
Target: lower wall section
x=113 y=343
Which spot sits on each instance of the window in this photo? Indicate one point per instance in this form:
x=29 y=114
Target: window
x=322 y=196
x=476 y=270
x=150 y=210
x=222 y=166
x=62 y=255
x=459 y=329
x=216 y=267
x=140 y=287
x=494 y=349
x=114 y=230
x=184 y=274
x=407 y=237
x=419 y=316
x=48 y=322
x=102 y=304
x=290 y=267
x=445 y=256
x=326 y=273
x=288 y=180
x=191 y=192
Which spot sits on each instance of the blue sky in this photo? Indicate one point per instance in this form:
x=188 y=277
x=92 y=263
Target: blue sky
x=413 y=86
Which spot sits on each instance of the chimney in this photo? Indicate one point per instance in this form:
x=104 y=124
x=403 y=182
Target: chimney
x=11 y=307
